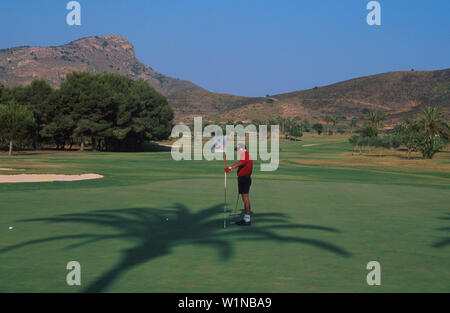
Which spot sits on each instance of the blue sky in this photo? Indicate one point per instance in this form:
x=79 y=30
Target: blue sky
x=249 y=47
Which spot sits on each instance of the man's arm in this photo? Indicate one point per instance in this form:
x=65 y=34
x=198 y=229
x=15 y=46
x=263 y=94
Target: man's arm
x=240 y=163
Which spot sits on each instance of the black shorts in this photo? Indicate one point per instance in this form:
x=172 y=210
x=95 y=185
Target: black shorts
x=244 y=183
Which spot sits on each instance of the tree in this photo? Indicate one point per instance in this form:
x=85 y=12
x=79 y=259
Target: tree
x=296 y=130
x=433 y=123
x=113 y=112
x=437 y=131
x=360 y=142
x=306 y=126
x=110 y=111
x=59 y=131
x=341 y=130
x=334 y=121
x=280 y=122
x=330 y=119
x=318 y=128
x=384 y=142
x=59 y=123
x=369 y=131
x=289 y=123
x=16 y=123
x=2 y=92
x=374 y=142
x=353 y=140
x=375 y=118
x=36 y=97
x=411 y=135
x=353 y=124
x=428 y=134
x=39 y=94
x=257 y=122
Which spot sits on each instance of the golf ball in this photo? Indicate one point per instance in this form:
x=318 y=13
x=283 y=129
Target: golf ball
x=167 y=219
x=10 y=227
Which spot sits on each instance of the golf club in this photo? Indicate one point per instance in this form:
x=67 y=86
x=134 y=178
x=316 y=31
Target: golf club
x=234 y=212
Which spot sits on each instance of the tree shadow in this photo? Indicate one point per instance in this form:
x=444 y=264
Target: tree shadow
x=405 y=157
x=156 y=232
x=151 y=146
x=445 y=241
x=20 y=153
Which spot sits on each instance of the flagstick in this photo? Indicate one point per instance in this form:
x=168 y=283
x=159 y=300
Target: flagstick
x=225 y=196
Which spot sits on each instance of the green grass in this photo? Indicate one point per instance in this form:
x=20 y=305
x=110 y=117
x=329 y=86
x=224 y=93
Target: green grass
x=318 y=220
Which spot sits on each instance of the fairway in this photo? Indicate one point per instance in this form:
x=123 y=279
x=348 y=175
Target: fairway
x=155 y=225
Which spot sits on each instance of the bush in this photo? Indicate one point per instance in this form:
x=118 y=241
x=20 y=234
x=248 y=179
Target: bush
x=318 y=128
x=369 y=131
x=386 y=142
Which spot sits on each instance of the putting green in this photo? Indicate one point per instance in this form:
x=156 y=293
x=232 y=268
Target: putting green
x=155 y=225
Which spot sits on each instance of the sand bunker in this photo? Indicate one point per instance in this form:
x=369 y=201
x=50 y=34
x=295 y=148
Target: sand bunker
x=40 y=178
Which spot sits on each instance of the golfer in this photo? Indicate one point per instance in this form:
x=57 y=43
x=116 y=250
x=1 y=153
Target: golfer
x=245 y=168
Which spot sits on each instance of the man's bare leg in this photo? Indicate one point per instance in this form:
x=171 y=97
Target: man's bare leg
x=246 y=201
x=246 y=220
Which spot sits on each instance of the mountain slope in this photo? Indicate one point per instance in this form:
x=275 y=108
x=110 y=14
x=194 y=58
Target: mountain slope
x=112 y=54
x=108 y=54
x=401 y=94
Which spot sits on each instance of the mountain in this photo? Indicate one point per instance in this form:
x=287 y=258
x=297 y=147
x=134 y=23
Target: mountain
x=112 y=54
x=400 y=94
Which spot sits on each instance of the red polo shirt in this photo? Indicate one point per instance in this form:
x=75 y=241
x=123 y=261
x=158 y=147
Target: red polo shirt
x=247 y=168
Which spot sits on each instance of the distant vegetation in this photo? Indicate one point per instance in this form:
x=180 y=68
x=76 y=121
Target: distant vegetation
x=427 y=134
x=110 y=112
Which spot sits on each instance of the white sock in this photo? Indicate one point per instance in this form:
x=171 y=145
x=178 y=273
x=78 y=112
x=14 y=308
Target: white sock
x=247 y=218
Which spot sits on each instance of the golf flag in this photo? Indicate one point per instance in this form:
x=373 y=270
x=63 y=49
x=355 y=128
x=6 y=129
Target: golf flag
x=219 y=145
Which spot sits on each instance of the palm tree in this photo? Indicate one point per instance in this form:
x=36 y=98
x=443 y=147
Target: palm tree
x=334 y=120
x=353 y=124
x=288 y=124
x=280 y=122
x=375 y=118
x=435 y=128
x=433 y=123
x=329 y=118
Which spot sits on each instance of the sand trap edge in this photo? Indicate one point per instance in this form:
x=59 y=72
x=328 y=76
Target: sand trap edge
x=45 y=178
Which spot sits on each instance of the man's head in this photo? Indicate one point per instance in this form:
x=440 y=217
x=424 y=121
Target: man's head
x=240 y=146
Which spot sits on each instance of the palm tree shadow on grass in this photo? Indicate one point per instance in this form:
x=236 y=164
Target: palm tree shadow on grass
x=155 y=236
x=445 y=241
